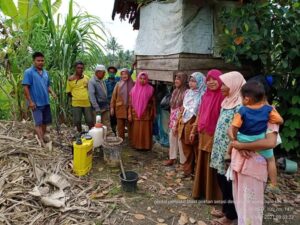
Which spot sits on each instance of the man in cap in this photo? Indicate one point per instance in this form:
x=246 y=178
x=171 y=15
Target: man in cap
x=99 y=96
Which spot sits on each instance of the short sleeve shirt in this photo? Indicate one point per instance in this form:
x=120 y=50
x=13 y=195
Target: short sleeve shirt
x=38 y=85
x=254 y=121
x=79 y=92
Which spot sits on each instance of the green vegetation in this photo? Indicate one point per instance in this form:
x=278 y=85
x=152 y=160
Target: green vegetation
x=266 y=35
x=35 y=25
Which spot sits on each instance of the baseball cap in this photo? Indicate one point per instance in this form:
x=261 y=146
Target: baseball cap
x=100 y=68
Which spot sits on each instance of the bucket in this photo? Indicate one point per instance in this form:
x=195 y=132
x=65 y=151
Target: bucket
x=130 y=184
x=290 y=166
x=112 y=156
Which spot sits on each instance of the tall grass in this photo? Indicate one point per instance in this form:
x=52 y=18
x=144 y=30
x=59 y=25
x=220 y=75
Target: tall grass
x=63 y=41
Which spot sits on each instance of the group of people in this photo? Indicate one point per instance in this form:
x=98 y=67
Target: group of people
x=121 y=102
x=224 y=130
x=222 y=126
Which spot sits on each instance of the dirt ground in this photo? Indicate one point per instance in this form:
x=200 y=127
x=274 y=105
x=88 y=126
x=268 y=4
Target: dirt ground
x=165 y=198
x=162 y=196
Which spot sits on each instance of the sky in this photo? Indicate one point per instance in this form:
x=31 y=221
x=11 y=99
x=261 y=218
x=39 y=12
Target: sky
x=122 y=31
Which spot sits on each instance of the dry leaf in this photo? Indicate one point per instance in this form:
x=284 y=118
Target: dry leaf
x=148 y=208
x=201 y=223
x=124 y=211
x=162 y=192
x=140 y=181
x=171 y=173
x=139 y=216
x=160 y=220
x=97 y=195
x=154 y=211
x=144 y=177
x=182 y=197
x=192 y=220
x=178 y=180
x=161 y=224
x=183 y=219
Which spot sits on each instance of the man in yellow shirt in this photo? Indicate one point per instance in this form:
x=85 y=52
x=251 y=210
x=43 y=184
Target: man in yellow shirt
x=77 y=89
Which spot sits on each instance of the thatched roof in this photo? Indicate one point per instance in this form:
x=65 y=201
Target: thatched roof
x=128 y=9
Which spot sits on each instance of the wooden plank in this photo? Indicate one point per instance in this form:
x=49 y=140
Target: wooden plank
x=203 y=64
x=159 y=64
x=160 y=75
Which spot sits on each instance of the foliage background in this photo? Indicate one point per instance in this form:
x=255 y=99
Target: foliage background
x=266 y=35
x=34 y=25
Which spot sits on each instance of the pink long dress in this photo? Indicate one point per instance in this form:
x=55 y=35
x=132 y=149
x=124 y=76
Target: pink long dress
x=249 y=179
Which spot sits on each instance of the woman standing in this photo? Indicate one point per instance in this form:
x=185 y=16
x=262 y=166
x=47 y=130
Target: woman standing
x=141 y=113
x=187 y=118
x=250 y=176
x=232 y=83
x=176 y=105
x=205 y=184
x=119 y=101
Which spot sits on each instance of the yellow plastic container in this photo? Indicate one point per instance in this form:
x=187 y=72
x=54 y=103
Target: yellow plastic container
x=83 y=155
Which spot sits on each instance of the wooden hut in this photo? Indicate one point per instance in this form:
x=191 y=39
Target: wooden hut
x=175 y=35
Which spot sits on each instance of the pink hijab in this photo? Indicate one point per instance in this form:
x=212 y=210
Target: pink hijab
x=210 y=107
x=141 y=94
x=234 y=80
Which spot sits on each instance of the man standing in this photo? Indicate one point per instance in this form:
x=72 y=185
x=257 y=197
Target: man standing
x=111 y=82
x=77 y=89
x=99 y=95
x=36 y=85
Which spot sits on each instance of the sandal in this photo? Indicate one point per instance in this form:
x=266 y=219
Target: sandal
x=222 y=221
x=217 y=213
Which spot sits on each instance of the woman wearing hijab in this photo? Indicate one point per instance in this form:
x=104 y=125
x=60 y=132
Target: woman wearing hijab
x=205 y=182
x=119 y=101
x=191 y=103
x=141 y=113
x=232 y=83
x=176 y=105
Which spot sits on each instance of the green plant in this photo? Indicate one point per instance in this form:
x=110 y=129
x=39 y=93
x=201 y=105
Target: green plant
x=266 y=35
x=78 y=36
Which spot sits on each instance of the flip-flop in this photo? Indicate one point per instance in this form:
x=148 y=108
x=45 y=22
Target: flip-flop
x=216 y=213
x=221 y=221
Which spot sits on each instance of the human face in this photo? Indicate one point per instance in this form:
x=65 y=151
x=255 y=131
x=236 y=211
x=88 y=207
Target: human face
x=79 y=69
x=143 y=80
x=225 y=90
x=246 y=101
x=124 y=76
x=112 y=72
x=177 y=82
x=39 y=62
x=212 y=84
x=192 y=83
x=100 y=74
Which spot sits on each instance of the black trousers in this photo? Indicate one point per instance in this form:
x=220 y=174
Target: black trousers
x=226 y=188
x=113 y=123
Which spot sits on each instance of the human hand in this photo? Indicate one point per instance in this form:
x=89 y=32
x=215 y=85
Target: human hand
x=246 y=154
x=129 y=118
x=32 y=105
x=237 y=145
x=192 y=138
